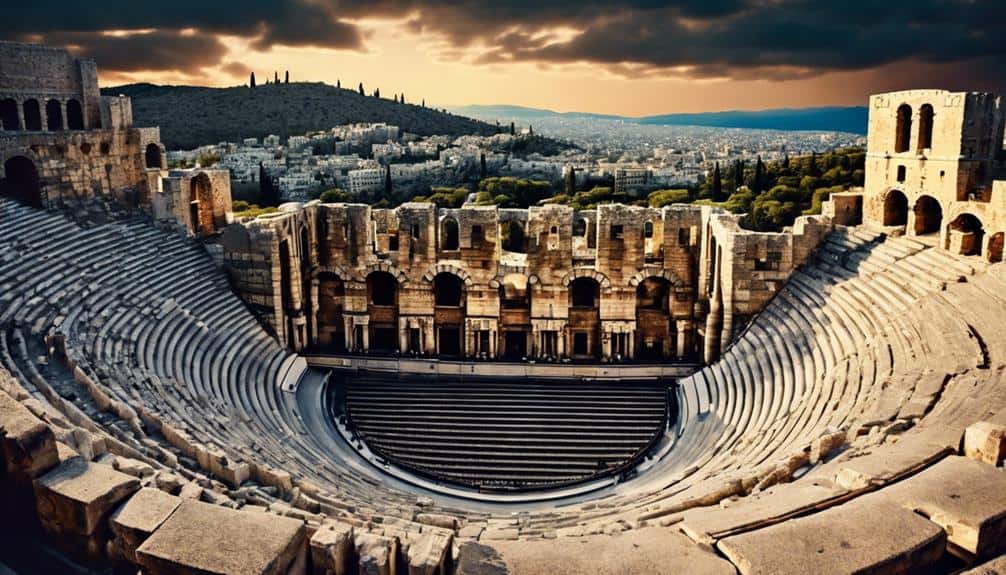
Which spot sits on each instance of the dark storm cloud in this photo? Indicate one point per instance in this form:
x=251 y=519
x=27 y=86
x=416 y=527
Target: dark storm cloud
x=156 y=50
x=737 y=38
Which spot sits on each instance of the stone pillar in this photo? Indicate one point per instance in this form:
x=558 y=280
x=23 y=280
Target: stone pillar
x=715 y=317
x=62 y=108
x=366 y=336
x=682 y=338
x=605 y=344
x=403 y=334
x=561 y=343
x=20 y=116
x=630 y=341
x=469 y=349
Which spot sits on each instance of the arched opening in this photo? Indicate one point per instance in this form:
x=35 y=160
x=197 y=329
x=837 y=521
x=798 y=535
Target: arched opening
x=928 y=216
x=32 y=115
x=53 y=116
x=965 y=235
x=152 y=156
x=201 y=198
x=584 y=317
x=21 y=182
x=331 y=302
x=925 y=127
x=515 y=317
x=895 y=209
x=513 y=237
x=449 y=313
x=648 y=229
x=8 y=115
x=449 y=235
x=653 y=318
x=904 y=129
x=382 y=300
x=74 y=115
x=995 y=252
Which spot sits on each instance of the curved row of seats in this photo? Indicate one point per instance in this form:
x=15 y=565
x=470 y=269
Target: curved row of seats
x=863 y=370
x=506 y=436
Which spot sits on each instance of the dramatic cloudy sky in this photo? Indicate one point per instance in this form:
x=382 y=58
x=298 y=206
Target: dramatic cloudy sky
x=627 y=57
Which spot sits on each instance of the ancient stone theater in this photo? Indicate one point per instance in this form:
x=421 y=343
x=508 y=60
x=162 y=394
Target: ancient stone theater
x=340 y=389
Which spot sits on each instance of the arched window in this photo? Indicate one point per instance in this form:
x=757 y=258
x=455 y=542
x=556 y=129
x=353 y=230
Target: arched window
x=8 y=115
x=904 y=129
x=584 y=293
x=448 y=290
x=74 y=115
x=925 y=127
x=32 y=116
x=53 y=116
x=152 y=157
x=513 y=240
x=652 y=294
x=579 y=228
x=450 y=235
x=382 y=289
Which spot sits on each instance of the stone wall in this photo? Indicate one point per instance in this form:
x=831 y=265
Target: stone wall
x=42 y=73
x=316 y=273
x=921 y=181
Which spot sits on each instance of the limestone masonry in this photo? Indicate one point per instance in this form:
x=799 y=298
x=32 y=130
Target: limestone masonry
x=830 y=399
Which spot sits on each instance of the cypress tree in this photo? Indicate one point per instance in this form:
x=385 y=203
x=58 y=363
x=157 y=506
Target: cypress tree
x=275 y=77
x=758 y=175
x=738 y=174
x=513 y=129
x=361 y=88
x=814 y=171
x=252 y=81
x=377 y=92
x=338 y=83
x=571 y=181
x=286 y=80
x=717 y=184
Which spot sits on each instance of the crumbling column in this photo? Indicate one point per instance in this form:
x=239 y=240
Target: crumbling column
x=713 y=321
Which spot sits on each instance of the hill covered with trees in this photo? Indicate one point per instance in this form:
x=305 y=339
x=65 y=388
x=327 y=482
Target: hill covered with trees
x=191 y=116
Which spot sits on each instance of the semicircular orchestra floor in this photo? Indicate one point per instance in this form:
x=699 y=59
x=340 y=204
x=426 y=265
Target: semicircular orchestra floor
x=504 y=435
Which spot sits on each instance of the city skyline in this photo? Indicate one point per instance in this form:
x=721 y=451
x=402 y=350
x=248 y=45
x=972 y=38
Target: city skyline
x=633 y=58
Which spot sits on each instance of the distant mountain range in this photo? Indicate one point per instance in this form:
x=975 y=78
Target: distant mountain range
x=851 y=119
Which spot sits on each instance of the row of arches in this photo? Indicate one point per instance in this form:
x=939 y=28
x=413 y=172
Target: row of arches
x=903 y=135
x=964 y=235
x=654 y=338
x=54 y=115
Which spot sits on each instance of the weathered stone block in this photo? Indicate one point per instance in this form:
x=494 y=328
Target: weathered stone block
x=199 y=538
x=377 y=553
x=27 y=445
x=76 y=497
x=986 y=441
x=332 y=549
x=139 y=517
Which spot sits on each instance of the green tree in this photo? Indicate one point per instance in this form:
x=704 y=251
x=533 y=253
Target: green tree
x=717 y=192
x=482 y=166
x=361 y=89
x=251 y=82
x=661 y=198
x=571 y=181
x=759 y=174
x=286 y=80
x=334 y=196
x=387 y=181
x=513 y=129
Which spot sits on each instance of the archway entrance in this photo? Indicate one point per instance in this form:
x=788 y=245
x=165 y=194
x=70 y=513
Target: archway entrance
x=331 y=301
x=21 y=182
x=928 y=216
x=965 y=235
x=152 y=156
x=449 y=313
x=653 y=318
x=585 y=317
x=201 y=197
x=515 y=315
x=895 y=209
x=382 y=307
